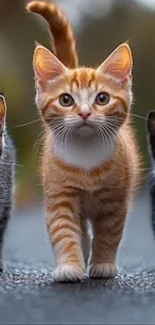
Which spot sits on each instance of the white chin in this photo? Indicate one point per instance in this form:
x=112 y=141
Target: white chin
x=85 y=131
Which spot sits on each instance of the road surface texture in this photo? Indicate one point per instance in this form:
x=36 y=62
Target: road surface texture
x=28 y=295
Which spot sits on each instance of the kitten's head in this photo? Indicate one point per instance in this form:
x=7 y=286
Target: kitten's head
x=84 y=102
x=151 y=132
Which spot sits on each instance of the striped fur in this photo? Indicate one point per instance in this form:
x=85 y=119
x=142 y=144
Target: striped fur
x=90 y=163
x=63 y=43
x=7 y=171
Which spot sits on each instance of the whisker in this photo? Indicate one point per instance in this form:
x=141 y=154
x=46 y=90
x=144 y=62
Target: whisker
x=10 y=163
x=112 y=126
x=37 y=142
x=139 y=116
x=3 y=185
x=104 y=135
x=68 y=134
x=64 y=135
x=112 y=130
x=58 y=132
x=57 y=128
x=113 y=120
x=7 y=175
x=27 y=123
x=132 y=114
x=110 y=133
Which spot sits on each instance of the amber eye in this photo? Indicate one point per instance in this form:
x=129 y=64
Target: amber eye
x=102 y=99
x=66 y=100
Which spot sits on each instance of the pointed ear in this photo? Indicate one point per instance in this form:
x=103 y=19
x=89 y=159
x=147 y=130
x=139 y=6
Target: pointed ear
x=2 y=108
x=119 y=64
x=151 y=123
x=46 y=66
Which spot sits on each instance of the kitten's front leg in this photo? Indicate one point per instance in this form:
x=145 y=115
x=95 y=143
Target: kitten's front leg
x=5 y=215
x=107 y=235
x=1 y=246
x=65 y=233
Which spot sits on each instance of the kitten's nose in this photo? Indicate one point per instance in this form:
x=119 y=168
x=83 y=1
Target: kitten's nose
x=84 y=116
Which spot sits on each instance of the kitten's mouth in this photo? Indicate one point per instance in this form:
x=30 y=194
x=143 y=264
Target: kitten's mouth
x=85 y=129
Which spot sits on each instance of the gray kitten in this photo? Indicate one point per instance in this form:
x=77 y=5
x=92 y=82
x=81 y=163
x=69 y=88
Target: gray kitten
x=151 y=147
x=7 y=171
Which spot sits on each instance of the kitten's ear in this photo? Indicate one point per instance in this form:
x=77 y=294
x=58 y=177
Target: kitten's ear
x=151 y=123
x=2 y=108
x=119 y=64
x=46 y=66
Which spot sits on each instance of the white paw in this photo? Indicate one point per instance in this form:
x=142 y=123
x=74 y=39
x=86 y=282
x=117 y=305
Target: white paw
x=102 y=270
x=67 y=273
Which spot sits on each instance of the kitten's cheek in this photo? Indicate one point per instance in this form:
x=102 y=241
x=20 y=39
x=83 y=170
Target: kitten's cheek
x=85 y=131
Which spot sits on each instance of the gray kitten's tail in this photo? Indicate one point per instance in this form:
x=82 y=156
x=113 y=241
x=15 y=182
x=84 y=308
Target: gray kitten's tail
x=151 y=147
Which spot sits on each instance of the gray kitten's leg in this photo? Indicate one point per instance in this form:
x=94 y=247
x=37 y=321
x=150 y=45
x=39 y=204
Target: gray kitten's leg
x=3 y=225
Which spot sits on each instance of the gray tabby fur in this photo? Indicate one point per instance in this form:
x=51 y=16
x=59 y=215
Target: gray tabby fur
x=7 y=175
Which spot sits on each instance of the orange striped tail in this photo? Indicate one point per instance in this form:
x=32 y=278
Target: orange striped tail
x=60 y=30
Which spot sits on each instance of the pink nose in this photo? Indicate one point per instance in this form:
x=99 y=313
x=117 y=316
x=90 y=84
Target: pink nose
x=84 y=116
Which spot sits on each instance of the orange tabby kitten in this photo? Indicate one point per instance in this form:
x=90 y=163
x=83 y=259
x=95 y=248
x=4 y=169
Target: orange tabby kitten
x=90 y=164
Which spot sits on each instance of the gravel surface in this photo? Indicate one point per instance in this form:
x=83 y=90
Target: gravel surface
x=142 y=282
x=29 y=296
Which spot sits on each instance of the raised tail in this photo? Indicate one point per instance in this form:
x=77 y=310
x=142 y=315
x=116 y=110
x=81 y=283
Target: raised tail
x=63 y=42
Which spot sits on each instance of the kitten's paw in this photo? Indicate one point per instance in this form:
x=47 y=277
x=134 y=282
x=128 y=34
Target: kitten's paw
x=102 y=270
x=67 y=273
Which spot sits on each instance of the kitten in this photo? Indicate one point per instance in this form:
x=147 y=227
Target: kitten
x=151 y=147
x=7 y=166
x=90 y=163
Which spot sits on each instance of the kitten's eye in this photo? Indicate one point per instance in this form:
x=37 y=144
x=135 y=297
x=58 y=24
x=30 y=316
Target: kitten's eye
x=102 y=99
x=66 y=100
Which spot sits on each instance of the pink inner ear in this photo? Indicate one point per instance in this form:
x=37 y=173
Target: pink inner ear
x=117 y=70
x=119 y=64
x=46 y=66
x=42 y=80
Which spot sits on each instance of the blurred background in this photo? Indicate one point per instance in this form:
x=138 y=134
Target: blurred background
x=99 y=26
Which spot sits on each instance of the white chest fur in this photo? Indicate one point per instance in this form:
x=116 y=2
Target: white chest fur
x=84 y=153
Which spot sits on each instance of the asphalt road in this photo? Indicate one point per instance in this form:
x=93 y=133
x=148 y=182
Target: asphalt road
x=28 y=295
